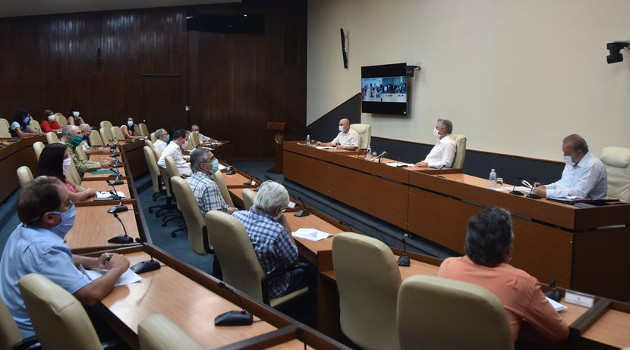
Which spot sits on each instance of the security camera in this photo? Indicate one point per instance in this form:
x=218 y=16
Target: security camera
x=615 y=50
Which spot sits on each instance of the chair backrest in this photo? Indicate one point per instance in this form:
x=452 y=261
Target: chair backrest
x=218 y=178
x=117 y=133
x=170 y=171
x=24 y=175
x=51 y=137
x=195 y=223
x=9 y=332
x=106 y=131
x=38 y=147
x=4 y=123
x=156 y=152
x=365 y=134
x=248 y=198
x=96 y=139
x=143 y=130
x=154 y=170
x=148 y=143
x=73 y=174
x=232 y=246
x=153 y=137
x=80 y=153
x=368 y=280
x=58 y=318
x=617 y=162
x=440 y=313
x=158 y=332
x=35 y=125
x=4 y=128
x=460 y=151
x=194 y=138
x=61 y=119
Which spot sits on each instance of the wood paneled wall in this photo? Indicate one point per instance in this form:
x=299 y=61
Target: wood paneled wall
x=150 y=67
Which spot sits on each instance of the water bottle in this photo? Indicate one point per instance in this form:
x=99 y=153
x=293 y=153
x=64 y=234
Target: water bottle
x=308 y=140
x=368 y=155
x=493 y=180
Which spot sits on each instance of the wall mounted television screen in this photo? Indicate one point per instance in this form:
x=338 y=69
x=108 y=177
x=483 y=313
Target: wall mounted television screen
x=384 y=89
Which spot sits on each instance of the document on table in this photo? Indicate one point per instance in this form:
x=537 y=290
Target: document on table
x=508 y=188
x=128 y=277
x=324 y=147
x=311 y=234
x=399 y=164
x=556 y=305
x=107 y=195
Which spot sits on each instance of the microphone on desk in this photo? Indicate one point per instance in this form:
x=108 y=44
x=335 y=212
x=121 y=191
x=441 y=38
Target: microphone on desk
x=531 y=194
x=514 y=191
x=380 y=156
x=117 y=208
x=554 y=294
x=145 y=266
x=121 y=239
x=114 y=192
x=112 y=147
x=404 y=259
x=234 y=318
x=303 y=212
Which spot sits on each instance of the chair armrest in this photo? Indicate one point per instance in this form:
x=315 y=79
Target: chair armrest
x=270 y=276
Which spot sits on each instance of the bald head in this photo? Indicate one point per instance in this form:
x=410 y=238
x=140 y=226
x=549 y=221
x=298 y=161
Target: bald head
x=345 y=124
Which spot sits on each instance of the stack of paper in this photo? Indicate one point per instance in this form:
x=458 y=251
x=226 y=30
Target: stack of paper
x=108 y=196
x=311 y=234
x=556 y=305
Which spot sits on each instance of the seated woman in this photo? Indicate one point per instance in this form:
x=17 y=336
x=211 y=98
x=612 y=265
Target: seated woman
x=130 y=130
x=21 y=125
x=55 y=161
x=73 y=116
x=489 y=247
x=49 y=123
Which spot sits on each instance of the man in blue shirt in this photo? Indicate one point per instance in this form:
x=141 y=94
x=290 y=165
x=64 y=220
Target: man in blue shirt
x=203 y=164
x=269 y=231
x=37 y=246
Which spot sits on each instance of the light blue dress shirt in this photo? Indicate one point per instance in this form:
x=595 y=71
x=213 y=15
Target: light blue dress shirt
x=587 y=179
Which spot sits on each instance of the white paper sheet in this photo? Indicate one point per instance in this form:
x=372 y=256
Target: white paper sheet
x=311 y=234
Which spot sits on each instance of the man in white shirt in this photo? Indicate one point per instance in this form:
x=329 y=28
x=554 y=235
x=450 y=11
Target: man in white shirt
x=347 y=138
x=443 y=153
x=174 y=149
x=584 y=175
x=161 y=139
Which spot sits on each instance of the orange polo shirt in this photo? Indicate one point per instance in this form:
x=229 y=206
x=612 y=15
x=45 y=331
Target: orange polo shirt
x=519 y=292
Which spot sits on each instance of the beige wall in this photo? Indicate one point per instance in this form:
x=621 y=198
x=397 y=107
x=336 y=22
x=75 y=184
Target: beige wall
x=514 y=76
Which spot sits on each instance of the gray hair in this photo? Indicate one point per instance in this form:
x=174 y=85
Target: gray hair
x=67 y=130
x=447 y=124
x=577 y=142
x=159 y=133
x=198 y=157
x=488 y=234
x=271 y=196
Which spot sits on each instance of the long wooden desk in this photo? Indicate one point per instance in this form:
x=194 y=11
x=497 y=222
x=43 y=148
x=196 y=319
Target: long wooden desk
x=552 y=240
x=12 y=156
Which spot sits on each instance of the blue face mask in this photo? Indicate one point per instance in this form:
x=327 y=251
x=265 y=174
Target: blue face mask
x=215 y=166
x=85 y=137
x=67 y=221
x=27 y=120
x=130 y=123
x=168 y=138
x=340 y=128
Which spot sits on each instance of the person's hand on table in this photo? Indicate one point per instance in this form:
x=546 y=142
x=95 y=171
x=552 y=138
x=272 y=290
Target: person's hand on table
x=105 y=163
x=422 y=164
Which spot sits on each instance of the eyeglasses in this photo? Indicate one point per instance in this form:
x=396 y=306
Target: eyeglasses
x=67 y=205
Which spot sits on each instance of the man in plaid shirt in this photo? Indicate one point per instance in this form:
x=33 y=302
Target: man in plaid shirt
x=269 y=231
x=206 y=191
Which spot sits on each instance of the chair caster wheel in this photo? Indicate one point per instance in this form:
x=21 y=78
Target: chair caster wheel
x=173 y=234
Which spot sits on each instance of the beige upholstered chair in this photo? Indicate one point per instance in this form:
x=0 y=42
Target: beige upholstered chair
x=80 y=153
x=153 y=137
x=95 y=139
x=117 y=133
x=24 y=175
x=4 y=124
x=61 y=119
x=194 y=138
x=51 y=137
x=156 y=177
x=460 y=151
x=365 y=134
x=248 y=198
x=35 y=125
x=4 y=129
x=59 y=319
x=10 y=336
x=143 y=130
x=218 y=178
x=197 y=232
x=158 y=332
x=73 y=174
x=148 y=143
x=617 y=162
x=156 y=152
x=368 y=280
x=106 y=131
x=38 y=147
x=240 y=266
x=440 y=313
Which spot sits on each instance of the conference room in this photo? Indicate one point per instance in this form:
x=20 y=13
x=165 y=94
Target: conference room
x=493 y=68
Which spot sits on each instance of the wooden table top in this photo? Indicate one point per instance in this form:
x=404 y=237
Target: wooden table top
x=611 y=328
x=102 y=185
x=93 y=226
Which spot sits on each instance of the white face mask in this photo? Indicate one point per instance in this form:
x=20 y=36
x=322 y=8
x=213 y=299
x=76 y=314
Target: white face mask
x=66 y=165
x=569 y=161
x=436 y=132
x=75 y=114
x=51 y=118
x=340 y=128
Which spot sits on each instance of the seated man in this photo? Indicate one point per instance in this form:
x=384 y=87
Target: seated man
x=347 y=139
x=161 y=139
x=489 y=246
x=72 y=138
x=584 y=175
x=37 y=245
x=174 y=149
x=269 y=231
x=49 y=123
x=86 y=130
x=206 y=191
x=202 y=138
x=443 y=153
